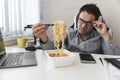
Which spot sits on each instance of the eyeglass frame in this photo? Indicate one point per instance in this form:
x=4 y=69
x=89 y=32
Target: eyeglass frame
x=87 y=23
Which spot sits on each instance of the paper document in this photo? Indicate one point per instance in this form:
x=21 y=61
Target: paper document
x=112 y=72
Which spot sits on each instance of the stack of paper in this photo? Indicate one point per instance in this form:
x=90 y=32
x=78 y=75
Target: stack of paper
x=114 y=71
x=112 y=68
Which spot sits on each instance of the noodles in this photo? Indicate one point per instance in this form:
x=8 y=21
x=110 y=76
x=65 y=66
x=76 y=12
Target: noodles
x=59 y=33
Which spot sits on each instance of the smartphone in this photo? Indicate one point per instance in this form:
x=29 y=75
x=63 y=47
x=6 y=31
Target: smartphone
x=86 y=58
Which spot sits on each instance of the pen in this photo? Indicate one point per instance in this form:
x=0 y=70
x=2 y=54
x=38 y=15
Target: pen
x=101 y=61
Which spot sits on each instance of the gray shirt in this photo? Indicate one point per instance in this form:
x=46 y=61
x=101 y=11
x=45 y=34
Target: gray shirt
x=94 y=44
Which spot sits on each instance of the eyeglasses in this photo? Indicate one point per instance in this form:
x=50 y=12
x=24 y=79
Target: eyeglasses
x=87 y=23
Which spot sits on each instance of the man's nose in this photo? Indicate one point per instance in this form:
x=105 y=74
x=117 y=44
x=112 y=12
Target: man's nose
x=84 y=25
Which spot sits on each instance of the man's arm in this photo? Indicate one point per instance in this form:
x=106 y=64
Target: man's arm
x=110 y=48
x=107 y=45
x=47 y=45
x=102 y=30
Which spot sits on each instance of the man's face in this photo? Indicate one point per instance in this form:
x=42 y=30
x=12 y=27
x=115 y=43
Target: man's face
x=85 y=23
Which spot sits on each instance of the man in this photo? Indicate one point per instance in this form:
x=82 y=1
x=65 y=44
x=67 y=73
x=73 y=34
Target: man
x=90 y=36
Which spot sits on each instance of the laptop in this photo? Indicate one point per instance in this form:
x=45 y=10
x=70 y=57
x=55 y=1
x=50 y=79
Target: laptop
x=17 y=59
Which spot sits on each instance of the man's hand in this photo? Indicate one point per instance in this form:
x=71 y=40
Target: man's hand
x=39 y=30
x=102 y=29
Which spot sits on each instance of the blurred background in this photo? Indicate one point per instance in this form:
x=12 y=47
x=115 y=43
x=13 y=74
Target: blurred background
x=16 y=14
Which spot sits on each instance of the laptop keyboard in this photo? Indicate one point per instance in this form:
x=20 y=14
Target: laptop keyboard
x=14 y=59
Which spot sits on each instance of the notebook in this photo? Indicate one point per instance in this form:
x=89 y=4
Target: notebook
x=18 y=59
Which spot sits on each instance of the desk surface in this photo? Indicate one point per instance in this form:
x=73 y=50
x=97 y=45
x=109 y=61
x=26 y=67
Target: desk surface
x=45 y=71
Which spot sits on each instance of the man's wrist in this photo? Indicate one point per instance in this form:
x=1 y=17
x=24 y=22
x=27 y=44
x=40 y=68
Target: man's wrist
x=45 y=41
x=106 y=37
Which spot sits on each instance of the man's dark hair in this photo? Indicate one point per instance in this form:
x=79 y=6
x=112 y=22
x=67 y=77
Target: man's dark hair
x=91 y=9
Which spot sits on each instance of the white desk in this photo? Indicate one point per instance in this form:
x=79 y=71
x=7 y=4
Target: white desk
x=45 y=71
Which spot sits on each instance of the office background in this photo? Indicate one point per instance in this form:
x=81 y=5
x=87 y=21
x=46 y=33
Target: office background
x=52 y=10
x=47 y=11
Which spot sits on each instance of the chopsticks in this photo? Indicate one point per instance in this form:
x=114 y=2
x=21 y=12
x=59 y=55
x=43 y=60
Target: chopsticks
x=30 y=26
x=48 y=24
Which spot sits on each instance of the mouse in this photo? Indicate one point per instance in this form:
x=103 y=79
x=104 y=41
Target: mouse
x=30 y=48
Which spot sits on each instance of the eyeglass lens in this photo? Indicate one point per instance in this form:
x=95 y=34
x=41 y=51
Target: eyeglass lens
x=88 y=23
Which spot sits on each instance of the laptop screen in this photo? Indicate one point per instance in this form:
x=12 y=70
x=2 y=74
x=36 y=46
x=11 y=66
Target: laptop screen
x=2 y=47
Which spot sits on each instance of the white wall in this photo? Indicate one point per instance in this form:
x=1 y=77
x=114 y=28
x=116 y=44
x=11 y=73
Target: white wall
x=66 y=9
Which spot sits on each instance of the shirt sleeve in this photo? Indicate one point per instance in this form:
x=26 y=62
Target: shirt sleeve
x=48 y=45
x=110 y=48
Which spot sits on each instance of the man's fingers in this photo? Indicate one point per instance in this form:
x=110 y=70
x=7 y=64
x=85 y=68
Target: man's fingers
x=37 y=25
x=97 y=24
x=41 y=28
